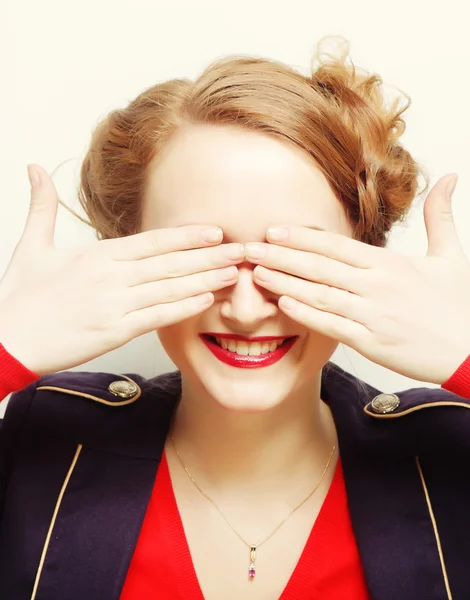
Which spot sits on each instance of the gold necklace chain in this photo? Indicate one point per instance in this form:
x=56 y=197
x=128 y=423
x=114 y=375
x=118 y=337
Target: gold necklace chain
x=253 y=547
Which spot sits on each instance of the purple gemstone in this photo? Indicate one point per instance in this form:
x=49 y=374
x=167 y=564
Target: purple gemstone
x=251 y=572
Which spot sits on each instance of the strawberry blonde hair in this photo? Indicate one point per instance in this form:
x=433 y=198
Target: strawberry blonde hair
x=335 y=114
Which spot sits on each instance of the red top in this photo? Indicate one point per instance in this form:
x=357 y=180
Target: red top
x=329 y=567
x=161 y=567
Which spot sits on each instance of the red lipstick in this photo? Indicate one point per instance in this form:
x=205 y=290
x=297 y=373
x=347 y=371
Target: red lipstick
x=246 y=362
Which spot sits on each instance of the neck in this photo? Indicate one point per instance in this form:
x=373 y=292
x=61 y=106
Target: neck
x=256 y=453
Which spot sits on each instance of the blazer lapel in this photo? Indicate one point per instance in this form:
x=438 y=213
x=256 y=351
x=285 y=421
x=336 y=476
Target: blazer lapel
x=90 y=496
x=387 y=503
x=97 y=527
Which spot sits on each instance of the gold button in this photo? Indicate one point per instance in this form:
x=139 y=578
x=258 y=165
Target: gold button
x=385 y=403
x=123 y=389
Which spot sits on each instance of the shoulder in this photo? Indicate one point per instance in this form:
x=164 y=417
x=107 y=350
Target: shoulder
x=105 y=410
x=404 y=422
x=431 y=420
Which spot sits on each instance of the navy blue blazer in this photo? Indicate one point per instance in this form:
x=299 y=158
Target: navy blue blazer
x=78 y=463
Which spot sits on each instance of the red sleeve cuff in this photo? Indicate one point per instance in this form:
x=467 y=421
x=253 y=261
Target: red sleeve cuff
x=14 y=376
x=459 y=382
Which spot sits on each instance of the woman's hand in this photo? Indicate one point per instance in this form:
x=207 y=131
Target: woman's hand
x=410 y=315
x=62 y=307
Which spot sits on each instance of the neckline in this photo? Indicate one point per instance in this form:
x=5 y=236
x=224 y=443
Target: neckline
x=299 y=585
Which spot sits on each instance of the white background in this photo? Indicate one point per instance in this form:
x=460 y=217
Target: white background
x=65 y=65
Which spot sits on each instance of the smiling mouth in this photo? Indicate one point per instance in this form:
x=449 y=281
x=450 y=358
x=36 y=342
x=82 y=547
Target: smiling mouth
x=243 y=354
x=247 y=348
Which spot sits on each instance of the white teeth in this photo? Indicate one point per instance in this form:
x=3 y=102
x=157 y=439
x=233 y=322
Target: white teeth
x=254 y=349
x=242 y=348
x=248 y=349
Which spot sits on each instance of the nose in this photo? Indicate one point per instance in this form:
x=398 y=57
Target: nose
x=245 y=304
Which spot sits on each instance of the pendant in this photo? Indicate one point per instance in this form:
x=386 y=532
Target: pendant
x=251 y=570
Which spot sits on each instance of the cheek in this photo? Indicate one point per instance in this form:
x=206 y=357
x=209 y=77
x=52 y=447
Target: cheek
x=175 y=339
x=319 y=348
x=170 y=336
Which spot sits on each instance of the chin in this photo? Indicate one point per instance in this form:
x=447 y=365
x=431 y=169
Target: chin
x=238 y=389
x=245 y=390
x=254 y=404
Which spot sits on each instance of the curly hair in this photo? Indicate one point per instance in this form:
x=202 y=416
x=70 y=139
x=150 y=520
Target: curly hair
x=336 y=114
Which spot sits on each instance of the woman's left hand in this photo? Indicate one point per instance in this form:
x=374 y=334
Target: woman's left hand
x=410 y=315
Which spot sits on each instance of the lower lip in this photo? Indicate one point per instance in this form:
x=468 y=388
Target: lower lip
x=248 y=362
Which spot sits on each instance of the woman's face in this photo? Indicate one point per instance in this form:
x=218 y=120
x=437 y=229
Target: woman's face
x=242 y=181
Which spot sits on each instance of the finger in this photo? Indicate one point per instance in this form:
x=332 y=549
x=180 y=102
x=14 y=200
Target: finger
x=319 y=296
x=334 y=245
x=313 y=267
x=333 y=326
x=180 y=264
x=441 y=230
x=41 y=220
x=154 y=317
x=173 y=290
x=160 y=241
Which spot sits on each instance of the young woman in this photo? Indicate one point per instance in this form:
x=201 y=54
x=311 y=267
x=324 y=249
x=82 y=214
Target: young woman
x=244 y=218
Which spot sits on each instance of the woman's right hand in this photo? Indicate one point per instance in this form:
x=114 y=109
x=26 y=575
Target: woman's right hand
x=60 y=308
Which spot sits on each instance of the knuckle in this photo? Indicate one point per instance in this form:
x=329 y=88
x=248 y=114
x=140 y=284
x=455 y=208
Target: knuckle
x=341 y=243
x=317 y=275
x=324 y=297
x=168 y=293
x=173 y=269
x=333 y=245
x=155 y=240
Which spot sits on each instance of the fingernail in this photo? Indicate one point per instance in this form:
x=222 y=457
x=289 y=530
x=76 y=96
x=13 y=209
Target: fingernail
x=34 y=177
x=277 y=233
x=287 y=303
x=234 y=251
x=229 y=273
x=262 y=273
x=253 y=250
x=206 y=299
x=212 y=235
x=451 y=185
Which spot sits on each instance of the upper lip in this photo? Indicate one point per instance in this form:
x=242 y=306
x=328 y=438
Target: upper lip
x=244 y=338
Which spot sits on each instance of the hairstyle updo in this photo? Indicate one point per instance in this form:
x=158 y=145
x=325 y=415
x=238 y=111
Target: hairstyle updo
x=336 y=114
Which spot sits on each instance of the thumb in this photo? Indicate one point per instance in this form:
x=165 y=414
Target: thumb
x=41 y=219
x=439 y=219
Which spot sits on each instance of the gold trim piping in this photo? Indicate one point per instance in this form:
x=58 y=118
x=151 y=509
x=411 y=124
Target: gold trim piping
x=95 y=398
x=53 y=520
x=413 y=409
x=436 y=532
